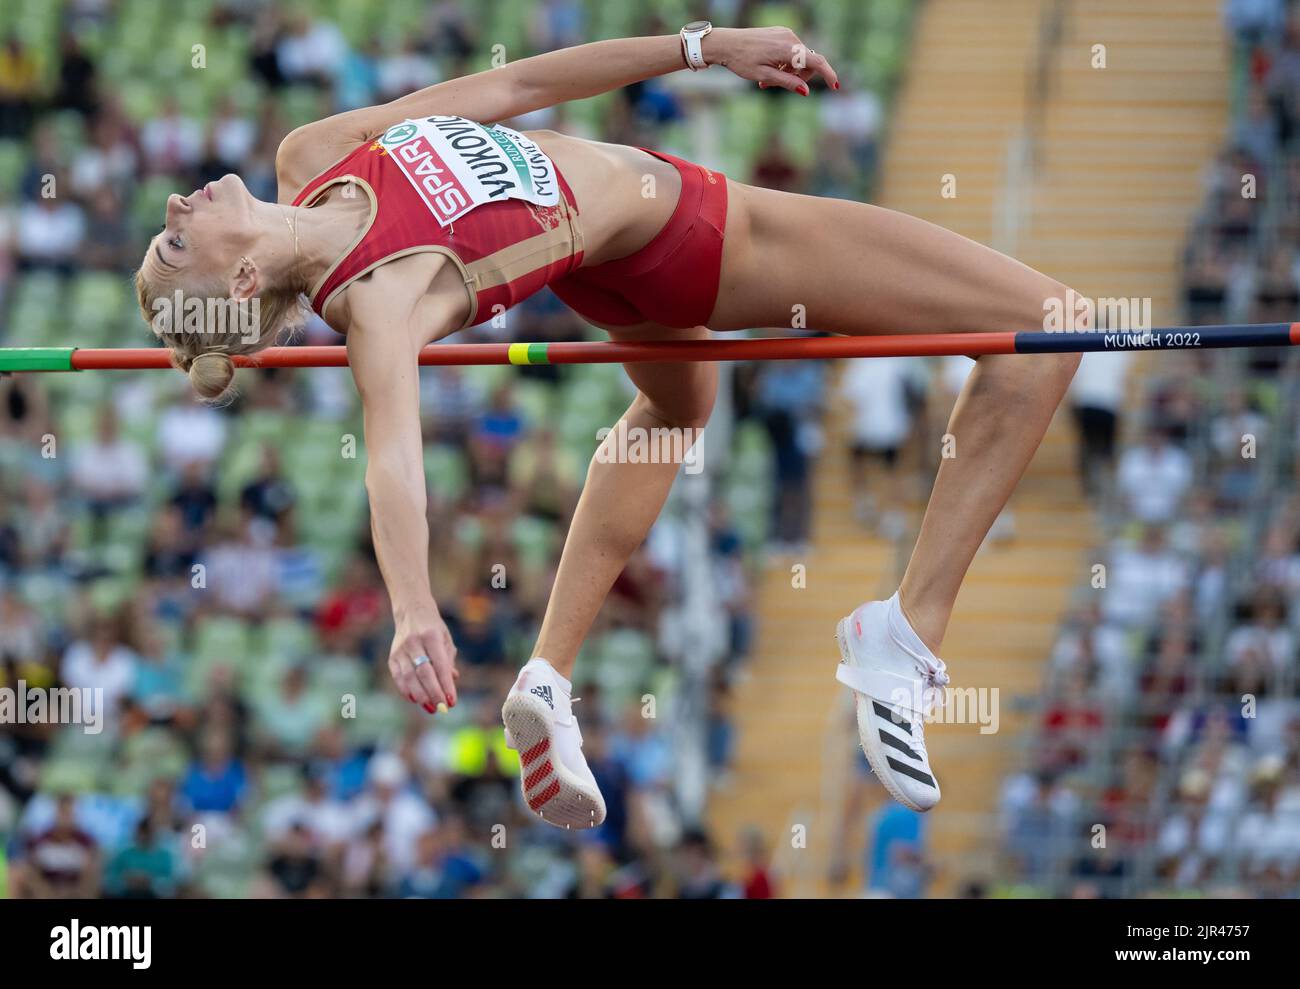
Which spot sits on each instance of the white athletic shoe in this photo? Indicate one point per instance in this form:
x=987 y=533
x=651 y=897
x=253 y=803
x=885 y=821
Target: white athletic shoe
x=557 y=784
x=896 y=680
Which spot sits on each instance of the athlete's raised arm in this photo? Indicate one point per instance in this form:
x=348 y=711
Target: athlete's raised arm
x=771 y=56
x=422 y=658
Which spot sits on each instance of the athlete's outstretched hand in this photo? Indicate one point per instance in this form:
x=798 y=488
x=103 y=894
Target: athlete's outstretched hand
x=429 y=684
x=770 y=56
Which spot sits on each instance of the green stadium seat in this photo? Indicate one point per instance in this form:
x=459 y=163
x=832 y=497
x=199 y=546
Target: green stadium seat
x=13 y=160
x=154 y=753
x=334 y=676
x=219 y=641
x=447 y=471
x=625 y=659
x=535 y=541
x=287 y=639
x=381 y=719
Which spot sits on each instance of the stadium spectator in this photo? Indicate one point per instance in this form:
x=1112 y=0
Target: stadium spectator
x=1266 y=634
x=1096 y=397
x=172 y=142
x=294 y=868
x=896 y=865
x=557 y=24
x=111 y=472
x=101 y=661
x=78 y=83
x=217 y=781
x=1154 y=478
x=404 y=71
x=232 y=135
x=882 y=395
x=20 y=87
x=445 y=867
x=195 y=503
x=390 y=802
x=757 y=881
x=109 y=162
x=50 y=235
x=287 y=722
x=311 y=50
x=148 y=867
x=1253 y=21
x=1284 y=79
x=108 y=243
x=697 y=873
x=63 y=861
x=241 y=567
x=269 y=495
x=1143 y=578
x=789 y=401
x=188 y=435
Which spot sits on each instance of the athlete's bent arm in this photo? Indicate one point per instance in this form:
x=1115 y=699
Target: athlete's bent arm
x=387 y=377
x=773 y=56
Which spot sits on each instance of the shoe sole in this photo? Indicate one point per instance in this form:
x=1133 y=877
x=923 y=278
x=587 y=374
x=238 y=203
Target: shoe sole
x=558 y=797
x=871 y=747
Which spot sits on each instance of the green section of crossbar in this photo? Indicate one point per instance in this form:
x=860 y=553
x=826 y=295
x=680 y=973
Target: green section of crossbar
x=36 y=359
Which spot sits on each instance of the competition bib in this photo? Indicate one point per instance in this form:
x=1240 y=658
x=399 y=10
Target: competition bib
x=456 y=164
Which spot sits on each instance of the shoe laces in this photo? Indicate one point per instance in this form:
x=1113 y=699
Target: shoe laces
x=933 y=674
x=935 y=679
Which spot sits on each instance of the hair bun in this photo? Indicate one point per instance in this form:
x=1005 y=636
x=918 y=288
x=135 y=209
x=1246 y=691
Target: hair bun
x=211 y=374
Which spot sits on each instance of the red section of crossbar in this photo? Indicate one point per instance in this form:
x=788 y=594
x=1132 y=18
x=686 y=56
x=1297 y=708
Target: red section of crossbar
x=777 y=348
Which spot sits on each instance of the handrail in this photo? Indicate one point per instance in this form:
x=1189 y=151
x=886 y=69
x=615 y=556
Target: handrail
x=1023 y=155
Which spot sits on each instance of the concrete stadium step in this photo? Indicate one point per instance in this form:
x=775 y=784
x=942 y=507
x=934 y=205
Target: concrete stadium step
x=1118 y=178
x=964 y=98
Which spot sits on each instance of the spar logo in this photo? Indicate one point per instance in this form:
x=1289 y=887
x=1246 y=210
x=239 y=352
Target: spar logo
x=397 y=134
x=437 y=185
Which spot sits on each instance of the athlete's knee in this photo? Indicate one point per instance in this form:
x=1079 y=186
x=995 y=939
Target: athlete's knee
x=690 y=406
x=1060 y=308
x=1069 y=311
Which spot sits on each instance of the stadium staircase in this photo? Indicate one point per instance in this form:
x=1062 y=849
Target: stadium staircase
x=1105 y=208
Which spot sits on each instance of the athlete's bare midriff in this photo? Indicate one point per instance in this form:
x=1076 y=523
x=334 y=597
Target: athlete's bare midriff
x=624 y=196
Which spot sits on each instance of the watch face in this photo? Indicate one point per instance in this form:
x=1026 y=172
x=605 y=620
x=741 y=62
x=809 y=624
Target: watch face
x=697 y=26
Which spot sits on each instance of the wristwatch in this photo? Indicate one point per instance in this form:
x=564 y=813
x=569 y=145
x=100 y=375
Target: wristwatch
x=692 y=44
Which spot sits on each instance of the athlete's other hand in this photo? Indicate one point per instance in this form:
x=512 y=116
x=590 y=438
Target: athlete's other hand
x=770 y=56
x=422 y=632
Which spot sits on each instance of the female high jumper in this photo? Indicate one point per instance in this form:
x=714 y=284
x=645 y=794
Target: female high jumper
x=406 y=222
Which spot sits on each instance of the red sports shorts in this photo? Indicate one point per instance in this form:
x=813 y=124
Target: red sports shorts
x=673 y=280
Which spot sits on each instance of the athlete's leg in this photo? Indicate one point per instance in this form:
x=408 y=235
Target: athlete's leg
x=620 y=501
x=858 y=269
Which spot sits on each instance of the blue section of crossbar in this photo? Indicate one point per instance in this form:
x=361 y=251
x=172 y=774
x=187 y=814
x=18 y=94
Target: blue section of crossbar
x=1161 y=338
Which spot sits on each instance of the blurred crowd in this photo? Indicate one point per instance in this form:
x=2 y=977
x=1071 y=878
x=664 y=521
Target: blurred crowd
x=209 y=572
x=1167 y=755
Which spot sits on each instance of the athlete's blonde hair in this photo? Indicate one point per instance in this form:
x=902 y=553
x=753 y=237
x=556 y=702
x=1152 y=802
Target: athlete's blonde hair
x=204 y=351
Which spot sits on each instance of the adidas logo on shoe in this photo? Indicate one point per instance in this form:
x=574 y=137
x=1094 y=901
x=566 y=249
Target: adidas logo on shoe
x=544 y=692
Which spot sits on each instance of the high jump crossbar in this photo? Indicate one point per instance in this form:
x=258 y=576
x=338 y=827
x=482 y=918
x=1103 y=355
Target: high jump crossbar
x=687 y=351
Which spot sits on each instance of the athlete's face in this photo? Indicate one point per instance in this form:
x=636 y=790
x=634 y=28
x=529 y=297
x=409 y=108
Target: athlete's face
x=206 y=232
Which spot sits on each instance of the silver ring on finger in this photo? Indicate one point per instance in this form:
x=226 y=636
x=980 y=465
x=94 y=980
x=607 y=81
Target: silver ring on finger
x=419 y=661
